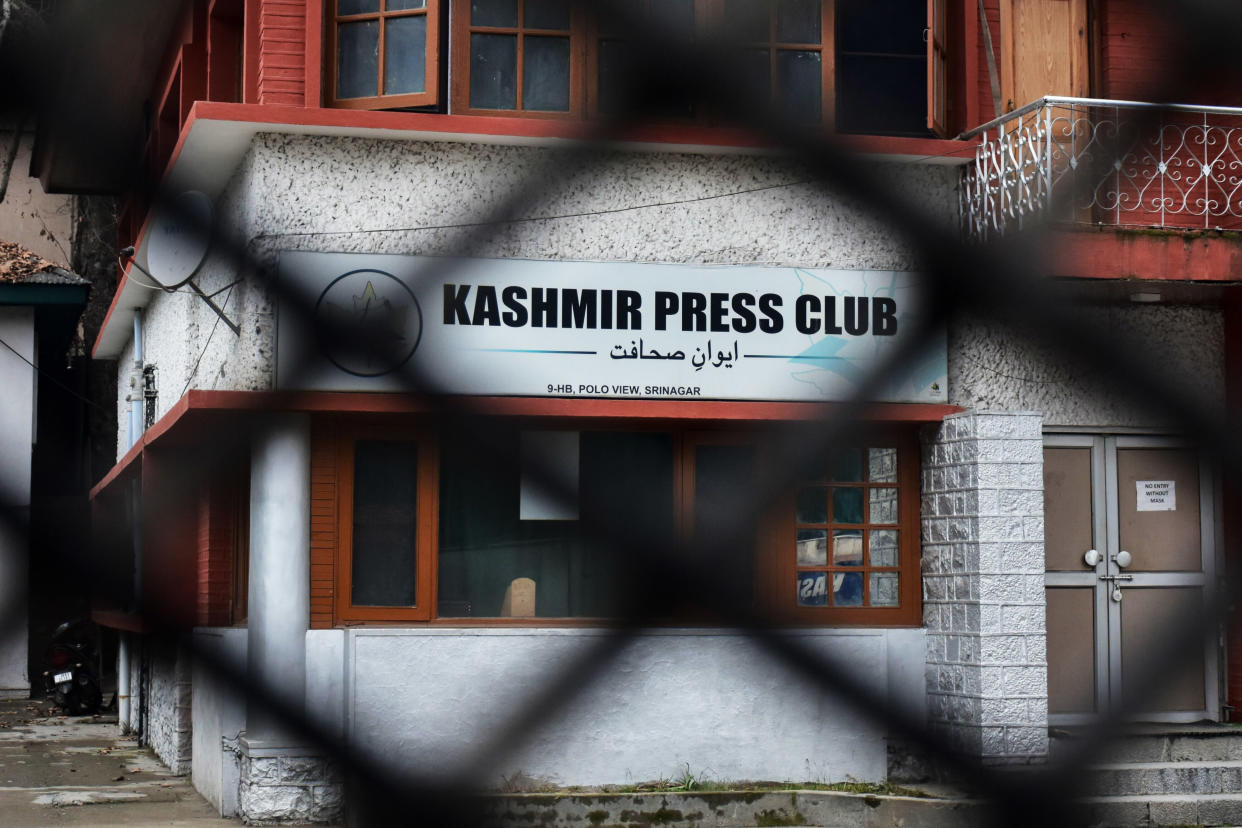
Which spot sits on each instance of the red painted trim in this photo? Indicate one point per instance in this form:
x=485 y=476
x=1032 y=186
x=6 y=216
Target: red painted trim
x=346 y=402
x=971 y=54
x=354 y=403
x=128 y=463
x=485 y=126
x=314 y=53
x=251 y=48
x=1172 y=255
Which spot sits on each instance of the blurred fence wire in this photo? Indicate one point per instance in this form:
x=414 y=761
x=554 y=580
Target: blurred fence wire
x=1002 y=280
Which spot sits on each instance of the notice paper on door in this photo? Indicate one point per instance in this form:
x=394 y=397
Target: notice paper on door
x=1156 y=495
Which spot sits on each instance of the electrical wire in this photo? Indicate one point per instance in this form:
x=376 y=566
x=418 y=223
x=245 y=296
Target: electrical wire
x=207 y=344
x=53 y=379
x=527 y=219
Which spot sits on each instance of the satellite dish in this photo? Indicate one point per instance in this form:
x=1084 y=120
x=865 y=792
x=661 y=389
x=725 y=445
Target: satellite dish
x=179 y=238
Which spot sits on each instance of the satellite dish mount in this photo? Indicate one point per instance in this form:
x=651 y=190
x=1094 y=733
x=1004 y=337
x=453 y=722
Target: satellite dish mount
x=177 y=245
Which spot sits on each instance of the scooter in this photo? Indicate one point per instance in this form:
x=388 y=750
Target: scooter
x=72 y=677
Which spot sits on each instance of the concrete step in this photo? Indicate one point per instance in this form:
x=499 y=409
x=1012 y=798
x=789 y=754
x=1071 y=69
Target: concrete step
x=1166 y=809
x=1185 y=744
x=1165 y=778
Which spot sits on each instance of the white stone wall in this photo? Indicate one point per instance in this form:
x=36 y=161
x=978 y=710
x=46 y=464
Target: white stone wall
x=983 y=583
x=710 y=701
x=168 y=699
x=219 y=709
x=318 y=193
x=17 y=397
x=995 y=366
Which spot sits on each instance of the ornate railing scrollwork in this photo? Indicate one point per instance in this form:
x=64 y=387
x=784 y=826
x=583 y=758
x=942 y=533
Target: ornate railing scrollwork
x=1119 y=163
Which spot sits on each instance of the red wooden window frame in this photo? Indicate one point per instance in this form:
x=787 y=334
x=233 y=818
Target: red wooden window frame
x=463 y=28
x=431 y=94
x=779 y=563
x=426 y=521
x=774 y=560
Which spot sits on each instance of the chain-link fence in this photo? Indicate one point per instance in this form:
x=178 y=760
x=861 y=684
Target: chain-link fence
x=1003 y=281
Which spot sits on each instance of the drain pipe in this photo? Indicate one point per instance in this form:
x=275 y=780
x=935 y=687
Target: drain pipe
x=122 y=683
x=135 y=396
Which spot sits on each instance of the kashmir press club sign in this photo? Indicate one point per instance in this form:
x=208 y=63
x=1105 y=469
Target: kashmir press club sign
x=517 y=327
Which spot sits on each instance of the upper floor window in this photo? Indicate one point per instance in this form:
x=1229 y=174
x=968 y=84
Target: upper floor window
x=384 y=53
x=864 y=66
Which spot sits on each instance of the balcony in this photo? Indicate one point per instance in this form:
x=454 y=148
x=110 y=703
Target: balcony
x=1085 y=161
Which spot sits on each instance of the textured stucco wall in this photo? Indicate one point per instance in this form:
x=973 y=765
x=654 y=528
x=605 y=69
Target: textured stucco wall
x=995 y=366
x=168 y=700
x=219 y=714
x=983 y=583
x=317 y=193
x=711 y=701
x=17 y=389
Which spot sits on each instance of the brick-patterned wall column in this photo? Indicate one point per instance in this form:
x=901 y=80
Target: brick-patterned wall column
x=216 y=548
x=282 y=52
x=983 y=584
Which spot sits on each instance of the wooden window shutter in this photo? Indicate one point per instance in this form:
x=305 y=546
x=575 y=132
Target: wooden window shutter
x=937 y=68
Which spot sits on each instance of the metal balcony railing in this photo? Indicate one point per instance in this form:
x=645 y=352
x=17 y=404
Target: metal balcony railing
x=1116 y=163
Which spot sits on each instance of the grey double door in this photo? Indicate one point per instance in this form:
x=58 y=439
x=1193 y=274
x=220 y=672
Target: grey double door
x=1129 y=539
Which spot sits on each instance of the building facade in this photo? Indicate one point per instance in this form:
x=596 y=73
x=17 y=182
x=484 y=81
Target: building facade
x=373 y=476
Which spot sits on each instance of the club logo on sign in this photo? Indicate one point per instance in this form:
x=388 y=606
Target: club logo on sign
x=368 y=323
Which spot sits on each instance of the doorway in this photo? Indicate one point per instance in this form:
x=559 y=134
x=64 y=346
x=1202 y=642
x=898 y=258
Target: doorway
x=1130 y=547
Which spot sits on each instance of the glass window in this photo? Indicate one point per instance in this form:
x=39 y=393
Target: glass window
x=518 y=56
x=625 y=481
x=384 y=53
x=385 y=524
x=845 y=526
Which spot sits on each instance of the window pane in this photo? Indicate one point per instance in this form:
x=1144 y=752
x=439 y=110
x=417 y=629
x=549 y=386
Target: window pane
x=882 y=95
x=755 y=82
x=676 y=17
x=812 y=547
x=748 y=19
x=344 y=7
x=847 y=505
x=494 y=13
x=404 y=5
x=812 y=589
x=385 y=496
x=892 y=26
x=614 y=69
x=723 y=477
x=626 y=480
x=847 y=547
x=884 y=505
x=546 y=14
x=847 y=589
x=883 y=547
x=405 y=61
x=357 y=60
x=493 y=71
x=545 y=76
x=797 y=21
x=813 y=505
x=847 y=465
x=884 y=589
x=800 y=81
x=882 y=465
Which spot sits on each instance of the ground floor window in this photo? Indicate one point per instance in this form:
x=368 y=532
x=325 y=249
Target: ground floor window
x=448 y=522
